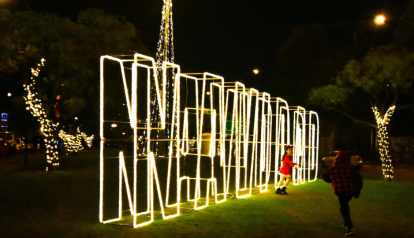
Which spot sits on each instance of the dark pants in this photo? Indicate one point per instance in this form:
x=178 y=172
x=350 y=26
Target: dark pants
x=346 y=214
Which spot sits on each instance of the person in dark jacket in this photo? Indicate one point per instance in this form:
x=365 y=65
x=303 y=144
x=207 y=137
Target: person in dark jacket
x=285 y=171
x=346 y=183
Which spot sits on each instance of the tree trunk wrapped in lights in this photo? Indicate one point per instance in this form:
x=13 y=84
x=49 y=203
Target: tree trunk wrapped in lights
x=48 y=128
x=382 y=77
x=383 y=141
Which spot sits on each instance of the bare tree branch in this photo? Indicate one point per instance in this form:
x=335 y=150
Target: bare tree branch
x=362 y=122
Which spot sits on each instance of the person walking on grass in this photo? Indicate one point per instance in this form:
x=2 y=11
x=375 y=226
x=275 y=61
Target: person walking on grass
x=346 y=183
x=285 y=171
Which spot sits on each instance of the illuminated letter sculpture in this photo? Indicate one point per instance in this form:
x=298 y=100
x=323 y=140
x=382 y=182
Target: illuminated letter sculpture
x=225 y=140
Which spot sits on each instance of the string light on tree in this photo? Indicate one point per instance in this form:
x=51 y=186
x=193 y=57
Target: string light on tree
x=165 y=53
x=383 y=141
x=74 y=143
x=87 y=139
x=34 y=105
x=47 y=127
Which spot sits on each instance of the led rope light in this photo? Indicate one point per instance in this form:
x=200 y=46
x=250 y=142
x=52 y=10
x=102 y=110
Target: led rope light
x=251 y=117
x=241 y=111
x=282 y=122
x=299 y=143
x=313 y=144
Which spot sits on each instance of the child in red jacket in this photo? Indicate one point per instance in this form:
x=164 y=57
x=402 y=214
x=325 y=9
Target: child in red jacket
x=285 y=170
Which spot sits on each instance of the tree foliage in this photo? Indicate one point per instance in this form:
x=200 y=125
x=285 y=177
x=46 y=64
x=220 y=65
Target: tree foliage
x=308 y=58
x=404 y=32
x=383 y=76
x=71 y=49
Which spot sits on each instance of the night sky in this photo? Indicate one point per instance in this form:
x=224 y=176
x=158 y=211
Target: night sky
x=229 y=37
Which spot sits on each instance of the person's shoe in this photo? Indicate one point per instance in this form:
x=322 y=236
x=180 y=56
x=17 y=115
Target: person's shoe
x=278 y=191
x=349 y=232
x=283 y=191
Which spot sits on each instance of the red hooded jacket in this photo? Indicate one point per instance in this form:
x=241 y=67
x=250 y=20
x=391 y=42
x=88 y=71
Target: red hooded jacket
x=287 y=163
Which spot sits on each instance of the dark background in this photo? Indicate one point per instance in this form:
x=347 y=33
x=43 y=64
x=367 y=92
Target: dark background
x=229 y=37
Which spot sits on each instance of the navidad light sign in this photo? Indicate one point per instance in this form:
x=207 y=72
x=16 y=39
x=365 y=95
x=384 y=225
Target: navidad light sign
x=230 y=160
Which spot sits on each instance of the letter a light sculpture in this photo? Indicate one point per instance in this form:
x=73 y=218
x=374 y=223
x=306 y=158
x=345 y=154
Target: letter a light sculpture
x=172 y=141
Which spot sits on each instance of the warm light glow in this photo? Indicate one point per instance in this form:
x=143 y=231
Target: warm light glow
x=47 y=127
x=383 y=140
x=246 y=150
x=194 y=126
x=9 y=94
x=73 y=143
x=255 y=71
x=380 y=19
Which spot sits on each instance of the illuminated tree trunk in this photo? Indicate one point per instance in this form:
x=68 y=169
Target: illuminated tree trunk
x=52 y=154
x=383 y=141
x=48 y=128
x=34 y=105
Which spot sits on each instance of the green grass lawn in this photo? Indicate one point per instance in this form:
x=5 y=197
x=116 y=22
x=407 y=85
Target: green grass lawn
x=34 y=203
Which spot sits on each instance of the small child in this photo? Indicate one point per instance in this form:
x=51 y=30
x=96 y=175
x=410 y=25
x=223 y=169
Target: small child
x=285 y=170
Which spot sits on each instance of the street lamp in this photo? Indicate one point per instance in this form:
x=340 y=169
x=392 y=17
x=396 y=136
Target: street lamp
x=255 y=71
x=380 y=19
